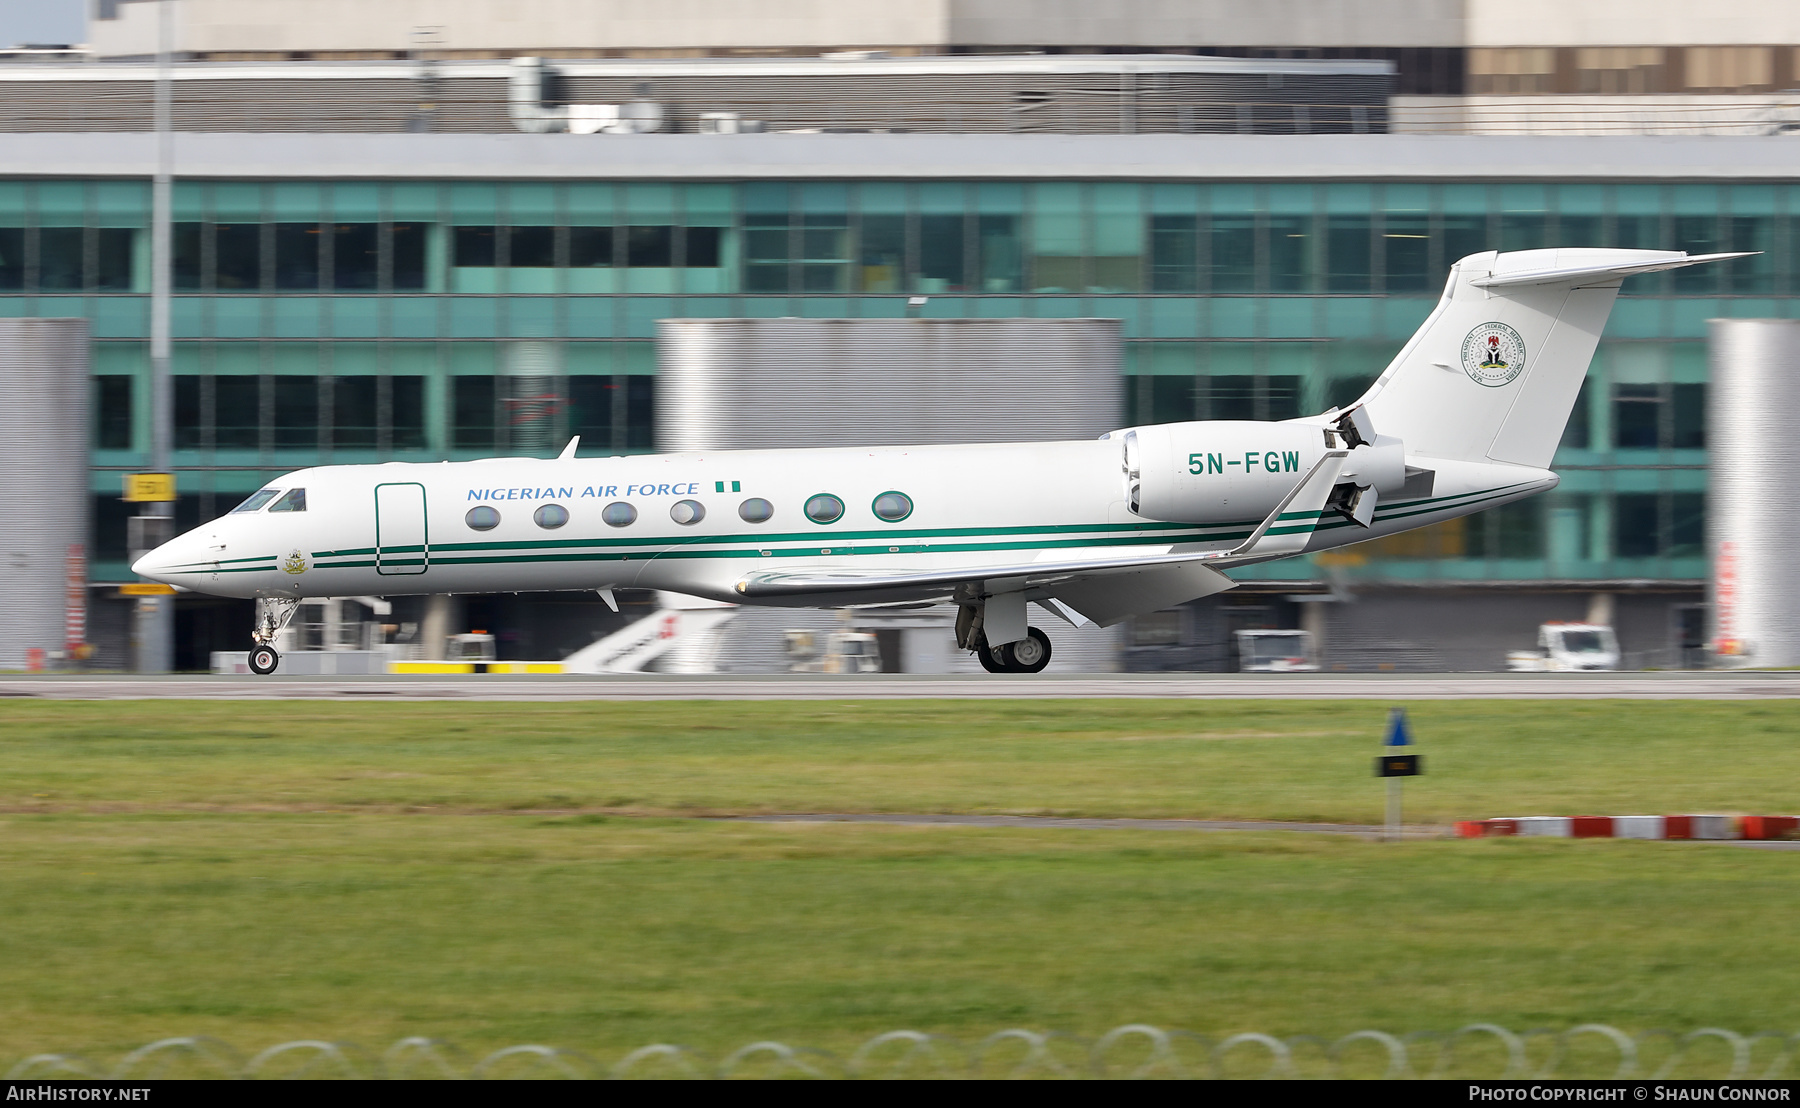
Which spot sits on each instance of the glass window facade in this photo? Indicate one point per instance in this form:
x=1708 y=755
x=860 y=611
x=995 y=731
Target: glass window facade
x=319 y=321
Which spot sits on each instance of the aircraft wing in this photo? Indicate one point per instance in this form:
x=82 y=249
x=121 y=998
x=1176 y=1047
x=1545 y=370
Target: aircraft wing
x=1102 y=588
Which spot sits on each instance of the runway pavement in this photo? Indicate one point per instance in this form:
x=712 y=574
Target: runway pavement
x=1688 y=685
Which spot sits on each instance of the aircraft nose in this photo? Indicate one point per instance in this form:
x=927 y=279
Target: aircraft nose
x=161 y=564
x=154 y=565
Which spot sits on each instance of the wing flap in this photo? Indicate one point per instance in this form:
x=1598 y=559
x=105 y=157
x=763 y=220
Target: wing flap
x=1115 y=597
x=1012 y=576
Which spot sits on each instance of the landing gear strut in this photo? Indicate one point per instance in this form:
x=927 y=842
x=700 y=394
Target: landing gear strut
x=272 y=614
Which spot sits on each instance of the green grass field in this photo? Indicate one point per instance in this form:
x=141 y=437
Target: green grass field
x=500 y=873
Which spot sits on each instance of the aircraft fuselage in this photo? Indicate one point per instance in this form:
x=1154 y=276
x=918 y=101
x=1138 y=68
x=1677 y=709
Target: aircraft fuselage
x=517 y=525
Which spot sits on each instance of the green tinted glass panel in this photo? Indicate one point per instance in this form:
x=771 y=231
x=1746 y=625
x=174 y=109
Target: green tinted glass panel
x=60 y=251
x=121 y=204
x=12 y=203
x=941 y=254
x=295 y=201
x=1291 y=249
x=1117 y=235
x=706 y=205
x=474 y=204
x=1351 y=261
x=531 y=203
x=62 y=204
x=882 y=199
x=881 y=261
x=413 y=202
x=356 y=202
x=1406 y=252
x=650 y=204
x=1174 y=253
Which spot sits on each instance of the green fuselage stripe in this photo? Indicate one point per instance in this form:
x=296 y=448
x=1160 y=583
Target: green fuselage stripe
x=826 y=543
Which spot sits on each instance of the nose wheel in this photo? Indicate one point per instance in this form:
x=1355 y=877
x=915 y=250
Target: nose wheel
x=264 y=659
x=272 y=614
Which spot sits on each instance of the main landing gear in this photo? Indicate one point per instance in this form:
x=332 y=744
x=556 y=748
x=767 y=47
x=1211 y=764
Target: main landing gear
x=1027 y=655
x=272 y=614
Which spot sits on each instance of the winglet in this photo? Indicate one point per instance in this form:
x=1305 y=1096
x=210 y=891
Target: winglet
x=1291 y=524
x=569 y=450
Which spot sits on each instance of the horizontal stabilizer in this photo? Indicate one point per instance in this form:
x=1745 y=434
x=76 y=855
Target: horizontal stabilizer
x=1578 y=273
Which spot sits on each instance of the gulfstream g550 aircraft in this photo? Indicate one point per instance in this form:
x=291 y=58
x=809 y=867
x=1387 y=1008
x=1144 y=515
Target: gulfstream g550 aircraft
x=1465 y=418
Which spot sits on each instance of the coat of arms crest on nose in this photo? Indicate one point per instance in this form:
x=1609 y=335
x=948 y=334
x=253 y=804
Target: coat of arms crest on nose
x=294 y=563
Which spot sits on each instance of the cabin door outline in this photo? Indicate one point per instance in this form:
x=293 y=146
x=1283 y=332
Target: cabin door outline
x=402 y=537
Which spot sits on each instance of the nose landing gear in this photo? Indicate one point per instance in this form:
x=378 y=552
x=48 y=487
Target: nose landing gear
x=272 y=614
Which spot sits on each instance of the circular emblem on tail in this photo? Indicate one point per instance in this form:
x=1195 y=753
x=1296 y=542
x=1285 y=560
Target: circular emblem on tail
x=1493 y=354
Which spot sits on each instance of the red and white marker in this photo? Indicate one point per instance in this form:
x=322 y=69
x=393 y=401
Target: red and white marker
x=1635 y=827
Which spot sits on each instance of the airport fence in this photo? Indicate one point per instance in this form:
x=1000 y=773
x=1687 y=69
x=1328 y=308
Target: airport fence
x=1476 y=1051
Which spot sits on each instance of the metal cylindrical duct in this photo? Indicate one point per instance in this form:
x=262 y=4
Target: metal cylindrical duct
x=44 y=410
x=745 y=384
x=531 y=375
x=1753 y=516
x=525 y=98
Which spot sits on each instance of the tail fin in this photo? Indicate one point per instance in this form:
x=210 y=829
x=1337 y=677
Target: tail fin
x=1493 y=373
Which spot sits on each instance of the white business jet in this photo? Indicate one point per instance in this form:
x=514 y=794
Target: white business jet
x=1465 y=418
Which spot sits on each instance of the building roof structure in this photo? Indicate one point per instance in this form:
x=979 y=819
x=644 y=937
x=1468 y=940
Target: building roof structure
x=1465 y=158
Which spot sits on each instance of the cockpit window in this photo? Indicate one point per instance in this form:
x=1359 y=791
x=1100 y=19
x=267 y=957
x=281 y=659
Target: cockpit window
x=294 y=501
x=257 y=500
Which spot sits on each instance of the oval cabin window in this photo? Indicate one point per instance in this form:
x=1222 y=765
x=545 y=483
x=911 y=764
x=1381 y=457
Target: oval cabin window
x=824 y=508
x=893 y=506
x=756 y=510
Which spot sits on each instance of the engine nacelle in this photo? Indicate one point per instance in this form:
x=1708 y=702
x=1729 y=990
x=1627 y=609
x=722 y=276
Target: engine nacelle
x=1233 y=471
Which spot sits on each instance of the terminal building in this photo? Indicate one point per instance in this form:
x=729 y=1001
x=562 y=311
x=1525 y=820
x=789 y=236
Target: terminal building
x=465 y=277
